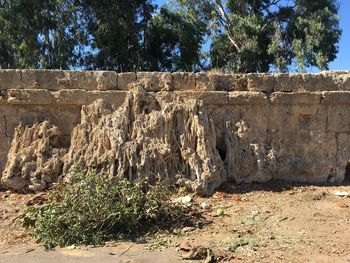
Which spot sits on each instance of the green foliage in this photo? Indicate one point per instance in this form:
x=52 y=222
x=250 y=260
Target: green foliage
x=136 y=35
x=253 y=35
x=40 y=34
x=314 y=32
x=117 y=29
x=173 y=42
x=91 y=210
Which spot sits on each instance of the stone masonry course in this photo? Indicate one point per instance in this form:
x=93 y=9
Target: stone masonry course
x=199 y=130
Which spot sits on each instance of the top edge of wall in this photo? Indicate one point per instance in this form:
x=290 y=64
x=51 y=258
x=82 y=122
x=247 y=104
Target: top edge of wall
x=158 y=81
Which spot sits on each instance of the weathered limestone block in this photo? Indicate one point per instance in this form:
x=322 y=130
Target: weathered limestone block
x=203 y=82
x=247 y=97
x=87 y=80
x=155 y=81
x=304 y=82
x=10 y=79
x=256 y=118
x=322 y=147
x=288 y=82
x=338 y=119
x=106 y=80
x=70 y=97
x=319 y=82
x=290 y=155
x=320 y=144
x=17 y=114
x=335 y=97
x=115 y=97
x=40 y=79
x=309 y=109
x=184 y=81
x=311 y=123
x=207 y=98
x=343 y=80
x=282 y=118
x=35 y=158
x=343 y=149
x=296 y=98
x=228 y=82
x=64 y=117
x=263 y=83
x=57 y=79
x=246 y=161
x=124 y=79
x=46 y=97
x=224 y=113
x=29 y=96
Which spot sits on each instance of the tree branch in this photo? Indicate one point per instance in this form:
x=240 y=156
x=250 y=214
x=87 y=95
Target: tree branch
x=267 y=6
x=227 y=23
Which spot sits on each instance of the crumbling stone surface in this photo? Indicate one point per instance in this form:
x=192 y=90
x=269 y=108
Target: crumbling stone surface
x=195 y=129
x=35 y=158
x=148 y=136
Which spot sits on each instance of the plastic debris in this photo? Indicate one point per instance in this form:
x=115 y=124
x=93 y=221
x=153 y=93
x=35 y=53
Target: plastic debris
x=341 y=193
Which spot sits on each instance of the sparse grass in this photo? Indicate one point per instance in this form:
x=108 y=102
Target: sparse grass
x=92 y=210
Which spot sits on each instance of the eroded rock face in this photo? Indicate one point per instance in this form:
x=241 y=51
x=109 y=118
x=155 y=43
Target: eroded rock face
x=199 y=130
x=158 y=136
x=35 y=158
x=149 y=136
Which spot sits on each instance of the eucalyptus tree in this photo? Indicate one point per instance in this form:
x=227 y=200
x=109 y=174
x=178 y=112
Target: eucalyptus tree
x=253 y=35
x=130 y=35
x=40 y=34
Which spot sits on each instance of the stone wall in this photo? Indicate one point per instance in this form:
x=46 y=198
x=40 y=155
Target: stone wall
x=267 y=126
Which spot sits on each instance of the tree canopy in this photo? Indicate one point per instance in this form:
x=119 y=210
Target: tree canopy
x=40 y=34
x=186 y=35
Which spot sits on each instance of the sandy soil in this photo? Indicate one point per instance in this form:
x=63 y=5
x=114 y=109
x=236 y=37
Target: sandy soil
x=273 y=222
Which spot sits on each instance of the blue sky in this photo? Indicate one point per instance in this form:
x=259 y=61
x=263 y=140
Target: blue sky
x=343 y=58
x=342 y=62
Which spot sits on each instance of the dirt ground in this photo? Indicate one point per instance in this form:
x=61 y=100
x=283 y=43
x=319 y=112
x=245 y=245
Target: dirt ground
x=275 y=222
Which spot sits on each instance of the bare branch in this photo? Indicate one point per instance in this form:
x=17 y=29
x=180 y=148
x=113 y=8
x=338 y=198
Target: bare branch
x=227 y=23
x=267 y=6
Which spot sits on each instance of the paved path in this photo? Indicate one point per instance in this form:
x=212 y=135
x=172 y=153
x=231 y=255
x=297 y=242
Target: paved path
x=123 y=253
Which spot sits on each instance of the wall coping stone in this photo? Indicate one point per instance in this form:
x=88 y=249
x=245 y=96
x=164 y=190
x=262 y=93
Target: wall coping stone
x=156 y=81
